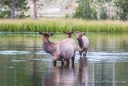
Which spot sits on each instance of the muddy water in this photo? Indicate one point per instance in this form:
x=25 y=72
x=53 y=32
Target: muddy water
x=24 y=63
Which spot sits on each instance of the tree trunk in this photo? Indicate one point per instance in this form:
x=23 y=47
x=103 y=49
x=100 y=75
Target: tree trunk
x=12 y=10
x=34 y=9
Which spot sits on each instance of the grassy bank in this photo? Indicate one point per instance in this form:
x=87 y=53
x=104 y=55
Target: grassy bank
x=58 y=25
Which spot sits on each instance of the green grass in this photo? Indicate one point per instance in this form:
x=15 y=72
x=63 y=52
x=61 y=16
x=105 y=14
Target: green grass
x=60 y=24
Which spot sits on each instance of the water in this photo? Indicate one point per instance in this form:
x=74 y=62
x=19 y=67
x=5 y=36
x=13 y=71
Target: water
x=24 y=63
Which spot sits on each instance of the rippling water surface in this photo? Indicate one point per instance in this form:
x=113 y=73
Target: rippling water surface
x=24 y=63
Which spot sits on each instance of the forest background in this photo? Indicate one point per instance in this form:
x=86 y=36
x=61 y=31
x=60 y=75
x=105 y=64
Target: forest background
x=77 y=10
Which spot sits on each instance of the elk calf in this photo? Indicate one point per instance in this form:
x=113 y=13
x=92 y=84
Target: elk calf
x=60 y=50
x=83 y=43
x=69 y=34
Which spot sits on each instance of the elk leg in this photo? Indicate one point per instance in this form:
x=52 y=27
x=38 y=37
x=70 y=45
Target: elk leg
x=73 y=58
x=68 y=62
x=80 y=53
x=62 y=62
x=84 y=54
x=54 y=63
x=85 y=51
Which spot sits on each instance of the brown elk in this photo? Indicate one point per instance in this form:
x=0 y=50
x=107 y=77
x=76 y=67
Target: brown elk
x=83 y=43
x=60 y=50
x=69 y=34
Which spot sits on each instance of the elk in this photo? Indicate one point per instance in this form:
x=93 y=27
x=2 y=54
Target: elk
x=83 y=43
x=60 y=50
x=69 y=34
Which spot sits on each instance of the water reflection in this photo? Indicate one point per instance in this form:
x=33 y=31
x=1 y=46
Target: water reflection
x=60 y=76
x=67 y=75
x=23 y=63
x=82 y=72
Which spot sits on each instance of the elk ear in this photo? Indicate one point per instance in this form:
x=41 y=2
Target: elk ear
x=73 y=32
x=51 y=34
x=83 y=33
x=64 y=32
x=40 y=33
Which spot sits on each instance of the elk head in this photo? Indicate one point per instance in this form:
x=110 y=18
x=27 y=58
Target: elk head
x=69 y=34
x=79 y=38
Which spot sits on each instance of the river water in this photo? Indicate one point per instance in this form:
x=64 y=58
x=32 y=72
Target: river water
x=24 y=63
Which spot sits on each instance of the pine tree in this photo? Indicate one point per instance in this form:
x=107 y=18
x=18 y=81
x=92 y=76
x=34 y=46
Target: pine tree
x=15 y=8
x=122 y=9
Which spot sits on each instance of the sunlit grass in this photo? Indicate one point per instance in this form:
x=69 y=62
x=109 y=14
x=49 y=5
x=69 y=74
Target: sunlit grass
x=60 y=24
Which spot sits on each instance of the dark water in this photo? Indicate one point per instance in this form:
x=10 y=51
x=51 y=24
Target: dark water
x=24 y=63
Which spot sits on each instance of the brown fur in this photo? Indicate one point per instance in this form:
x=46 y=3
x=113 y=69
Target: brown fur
x=69 y=34
x=60 y=50
x=84 y=43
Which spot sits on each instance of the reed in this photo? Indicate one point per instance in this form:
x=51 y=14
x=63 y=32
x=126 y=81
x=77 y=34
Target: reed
x=60 y=24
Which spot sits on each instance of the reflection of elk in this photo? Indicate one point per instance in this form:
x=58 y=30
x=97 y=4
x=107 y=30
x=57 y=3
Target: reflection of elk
x=83 y=43
x=60 y=76
x=61 y=50
x=82 y=72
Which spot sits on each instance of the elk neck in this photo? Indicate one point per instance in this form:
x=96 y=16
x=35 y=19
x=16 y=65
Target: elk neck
x=80 y=43
x=69 y=36
x=49 y=47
